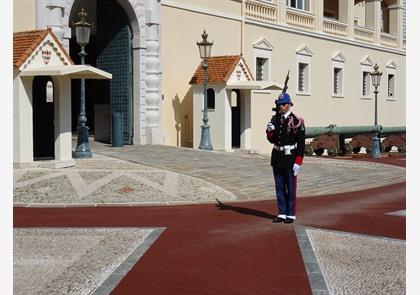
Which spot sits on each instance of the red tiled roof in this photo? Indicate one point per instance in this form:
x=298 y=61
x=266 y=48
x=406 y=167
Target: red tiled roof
x=24 y=43
x=219 y=69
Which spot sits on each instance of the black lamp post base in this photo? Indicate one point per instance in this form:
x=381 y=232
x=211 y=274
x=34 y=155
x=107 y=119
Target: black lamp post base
x=82 y=148
x=205 y=143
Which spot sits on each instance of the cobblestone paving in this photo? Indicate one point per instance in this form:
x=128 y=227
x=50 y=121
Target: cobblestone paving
x=70 y=260
x=359 y=264
x=134 y=175
x=249 y=176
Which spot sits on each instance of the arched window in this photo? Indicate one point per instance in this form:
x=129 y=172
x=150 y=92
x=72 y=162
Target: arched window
x=210 y=99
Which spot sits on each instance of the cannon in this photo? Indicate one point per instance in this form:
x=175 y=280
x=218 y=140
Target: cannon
x=333 y=139
x=393 y=136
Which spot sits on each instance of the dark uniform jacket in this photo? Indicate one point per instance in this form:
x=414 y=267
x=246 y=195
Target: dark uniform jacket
x=290 y=131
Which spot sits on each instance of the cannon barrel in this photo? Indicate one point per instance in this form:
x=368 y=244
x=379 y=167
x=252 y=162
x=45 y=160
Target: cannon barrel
x=347 y=130
x=389 y=130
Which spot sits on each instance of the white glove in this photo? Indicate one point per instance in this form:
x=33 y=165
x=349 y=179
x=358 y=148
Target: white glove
x=270 y=126
x=296 y=169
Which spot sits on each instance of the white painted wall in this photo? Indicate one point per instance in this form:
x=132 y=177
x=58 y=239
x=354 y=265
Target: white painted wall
x=22 y=119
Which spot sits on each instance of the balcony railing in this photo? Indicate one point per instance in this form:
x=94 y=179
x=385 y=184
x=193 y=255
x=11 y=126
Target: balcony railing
x=335 y=28
x=363 y=34
x=265 y=12
x=300 y=19
x=268 y=12
x=388 y=40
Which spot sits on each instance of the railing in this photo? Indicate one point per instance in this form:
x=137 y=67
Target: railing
x=404 y=44
x=388 y=40
x=257 y=10
x=363 y=34
x=300 y=19
x=335 y=28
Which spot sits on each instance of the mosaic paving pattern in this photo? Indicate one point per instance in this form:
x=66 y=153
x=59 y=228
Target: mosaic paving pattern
x=70 y=260
x=377 y=267
x=110 y=181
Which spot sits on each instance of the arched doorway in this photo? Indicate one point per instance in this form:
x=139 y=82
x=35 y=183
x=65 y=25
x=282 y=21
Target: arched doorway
x=110 y=49
x=42 y=118
x=236 y=118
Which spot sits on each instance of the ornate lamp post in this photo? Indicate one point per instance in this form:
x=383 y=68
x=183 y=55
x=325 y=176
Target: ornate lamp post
x=205 y=51
x=82 y=38
x=376 y=81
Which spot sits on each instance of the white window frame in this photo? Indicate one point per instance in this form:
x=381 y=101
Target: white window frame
x=304 y=56
x=340 y=81
x=369 y=86
x=263 y=49
x=366 y=65
x=391 y=69
x=305 y=4
x=338 y=62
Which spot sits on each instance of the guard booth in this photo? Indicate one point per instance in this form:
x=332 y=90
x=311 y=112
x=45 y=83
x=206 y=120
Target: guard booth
x=42 y=73
x=229 y=100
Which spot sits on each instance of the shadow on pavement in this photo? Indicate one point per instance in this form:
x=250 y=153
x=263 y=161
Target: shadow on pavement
x=242 y=210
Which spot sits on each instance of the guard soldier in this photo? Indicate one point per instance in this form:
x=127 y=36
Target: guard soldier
x=286 y=131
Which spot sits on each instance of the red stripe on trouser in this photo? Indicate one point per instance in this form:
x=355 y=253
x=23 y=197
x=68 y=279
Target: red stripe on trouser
x=294 y=205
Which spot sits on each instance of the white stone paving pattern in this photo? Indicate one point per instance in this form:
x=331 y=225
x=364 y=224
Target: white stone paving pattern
x=110 y=181
x=359 y=264
x=69 y=260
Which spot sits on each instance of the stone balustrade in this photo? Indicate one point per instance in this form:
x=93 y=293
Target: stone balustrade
x=363 y=34
x=300 y=19
x=334 y=28
x=388 y=40
x=267 y=12
x=261 y=11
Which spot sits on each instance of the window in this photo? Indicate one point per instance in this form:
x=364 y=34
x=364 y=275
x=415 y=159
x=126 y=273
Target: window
x=303 y=77
x=303 y=71
x=366 y=84
x=337 y=67
x=390 y=78
x=211 y=99
x=261 y=69
x=262 y=61
x=391 y=86
x=338 y=81
x=366 y=67
x=298 y=4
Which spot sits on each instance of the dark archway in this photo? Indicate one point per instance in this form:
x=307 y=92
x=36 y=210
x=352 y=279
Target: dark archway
x=42 y=119
x=236 y=119
x=110 y=49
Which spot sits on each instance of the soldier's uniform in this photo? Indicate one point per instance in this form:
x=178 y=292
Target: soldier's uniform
x=288 y=139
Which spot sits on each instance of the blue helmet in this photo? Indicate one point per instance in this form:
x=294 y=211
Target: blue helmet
x=283 y=98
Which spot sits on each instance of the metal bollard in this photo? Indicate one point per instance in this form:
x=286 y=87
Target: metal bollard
x=117 y=130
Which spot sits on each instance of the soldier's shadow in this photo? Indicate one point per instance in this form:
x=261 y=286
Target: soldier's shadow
x=243 y=210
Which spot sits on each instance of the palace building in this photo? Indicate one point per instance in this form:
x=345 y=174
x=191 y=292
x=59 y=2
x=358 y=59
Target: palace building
x=150 y=48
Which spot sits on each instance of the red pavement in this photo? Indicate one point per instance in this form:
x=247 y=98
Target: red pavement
x=235 y=249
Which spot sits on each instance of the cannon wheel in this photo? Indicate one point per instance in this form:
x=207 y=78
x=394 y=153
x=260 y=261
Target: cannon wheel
x=387 y=149
x=319 y=152
x=356 y=150
x=309 y=150
x=332 y=151
x=401 y=149
x=348 y=148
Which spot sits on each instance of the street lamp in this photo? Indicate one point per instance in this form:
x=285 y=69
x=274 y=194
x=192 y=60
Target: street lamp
x=376 y=81
x=205 y=51
x=82 y=38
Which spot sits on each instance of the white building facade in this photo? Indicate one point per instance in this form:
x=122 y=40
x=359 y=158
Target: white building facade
x=328 y=46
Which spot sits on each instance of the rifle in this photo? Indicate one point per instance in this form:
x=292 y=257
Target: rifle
x=285 y=87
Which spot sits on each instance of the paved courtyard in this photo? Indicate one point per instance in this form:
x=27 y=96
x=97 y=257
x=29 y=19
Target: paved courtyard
x=107 y=225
